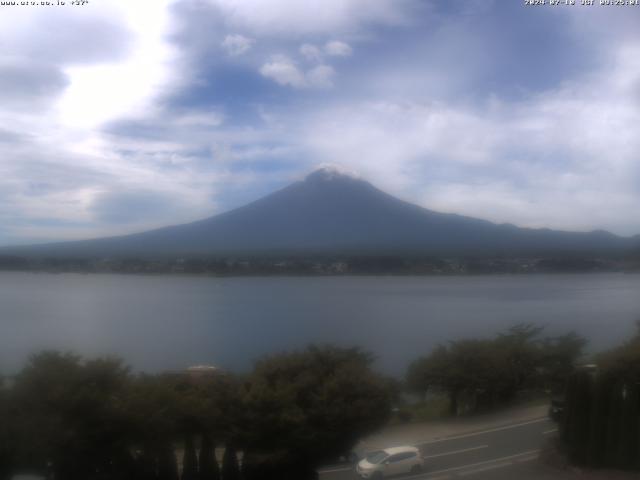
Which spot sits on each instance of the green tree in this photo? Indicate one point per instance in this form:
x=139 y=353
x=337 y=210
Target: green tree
x=314 y=405
x=479 y=374
x=71 y=415
x=602 y=420
x=6 y=449
x=558 y=358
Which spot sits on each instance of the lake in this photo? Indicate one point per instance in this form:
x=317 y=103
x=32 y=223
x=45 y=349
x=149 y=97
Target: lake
x=171 y=322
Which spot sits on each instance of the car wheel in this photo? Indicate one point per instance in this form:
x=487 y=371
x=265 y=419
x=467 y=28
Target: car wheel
x=416 y=469
x=377 y=476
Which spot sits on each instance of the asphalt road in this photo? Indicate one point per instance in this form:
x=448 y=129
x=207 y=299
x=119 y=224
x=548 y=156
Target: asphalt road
x=505 y=452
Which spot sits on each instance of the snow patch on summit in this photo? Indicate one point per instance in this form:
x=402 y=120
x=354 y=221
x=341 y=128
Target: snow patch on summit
x=332 y=171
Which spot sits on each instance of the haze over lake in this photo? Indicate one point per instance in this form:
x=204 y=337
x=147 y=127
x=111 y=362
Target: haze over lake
x=171 y=322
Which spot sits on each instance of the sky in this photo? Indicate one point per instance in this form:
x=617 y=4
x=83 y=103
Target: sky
x=118 y=116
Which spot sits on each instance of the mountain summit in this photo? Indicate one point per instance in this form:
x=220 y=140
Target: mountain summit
x=331 y=211
x=331 y=172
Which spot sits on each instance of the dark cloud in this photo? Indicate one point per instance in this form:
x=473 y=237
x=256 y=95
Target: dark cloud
x=23 y=82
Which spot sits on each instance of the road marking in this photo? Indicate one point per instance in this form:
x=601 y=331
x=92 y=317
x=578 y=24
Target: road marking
x=344 y=469
x=486 y=468
x=481 y=466
x=491 y=430
x=477 y=464
x=554 y=430
x=333 y=470
x=526 y=459
x=456 y=451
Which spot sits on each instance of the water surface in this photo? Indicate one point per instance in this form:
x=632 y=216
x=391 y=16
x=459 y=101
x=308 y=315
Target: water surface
x=170 y=322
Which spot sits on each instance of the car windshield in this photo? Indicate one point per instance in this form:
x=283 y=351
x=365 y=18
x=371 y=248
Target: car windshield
x=376 y=457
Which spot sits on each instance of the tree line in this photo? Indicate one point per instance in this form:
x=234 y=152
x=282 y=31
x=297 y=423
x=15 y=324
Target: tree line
x=480 y=374
x=601 y=425
x=69 y=418
x=72 y=419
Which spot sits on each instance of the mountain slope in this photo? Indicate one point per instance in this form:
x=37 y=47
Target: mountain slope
x=332 y=212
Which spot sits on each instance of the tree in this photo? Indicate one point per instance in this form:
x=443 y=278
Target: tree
x=519 y=358
x=558 y=358
x=209 y=469
x=6 y=450
x=190 y=460
x=230 y=466
x=602 y=420
x=468 y=371
x=167 y=464
x=314 y=405
x=480 y=374
x=71 y=415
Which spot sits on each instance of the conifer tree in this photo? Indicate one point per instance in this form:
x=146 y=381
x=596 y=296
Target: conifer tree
x=230 y=466
x=209 y=469
x=190 y=460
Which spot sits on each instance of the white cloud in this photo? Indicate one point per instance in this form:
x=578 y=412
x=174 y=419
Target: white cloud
x=320 y=76
x=282 y=70
x=338 y=49
x=55 y=162
x=199 y=119
x=100 y=93
x=565 y=158
x=295 y=17
x=236 y=45
x=311 y=52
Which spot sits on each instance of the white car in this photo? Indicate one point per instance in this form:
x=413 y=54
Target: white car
x=389 y=462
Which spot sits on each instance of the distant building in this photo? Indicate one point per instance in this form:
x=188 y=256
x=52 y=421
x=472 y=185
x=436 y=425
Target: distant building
x=198 y=373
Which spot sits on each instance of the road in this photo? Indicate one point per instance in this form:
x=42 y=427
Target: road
x=507 y=452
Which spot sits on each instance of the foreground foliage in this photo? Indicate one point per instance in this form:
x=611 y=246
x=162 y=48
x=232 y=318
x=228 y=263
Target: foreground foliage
x=74 y=419
x=601 y=427
x=479 y=374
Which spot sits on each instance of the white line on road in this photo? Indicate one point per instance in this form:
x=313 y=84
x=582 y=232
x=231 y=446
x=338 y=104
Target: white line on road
x=532 y=454
x=456 y=451
x=491 y=430
x=526 y=459
x=486 y=468
x=333 y=470
x=344 y=469
x=554 y=430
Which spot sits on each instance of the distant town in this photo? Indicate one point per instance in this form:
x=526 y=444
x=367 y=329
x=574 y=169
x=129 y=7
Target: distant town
x=324 y=265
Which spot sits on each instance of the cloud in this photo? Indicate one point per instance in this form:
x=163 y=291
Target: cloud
x=199 y=119
x=167 y=108
x=99 y=93
x=333 y=48
x=547 y=160
x=27 y=84
x=311 y=52
x=338 y=49
x=61 y=36
x=133 y=206
x=292 y=18
x=284 y=71
x=320 y=76
x=236 y=45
